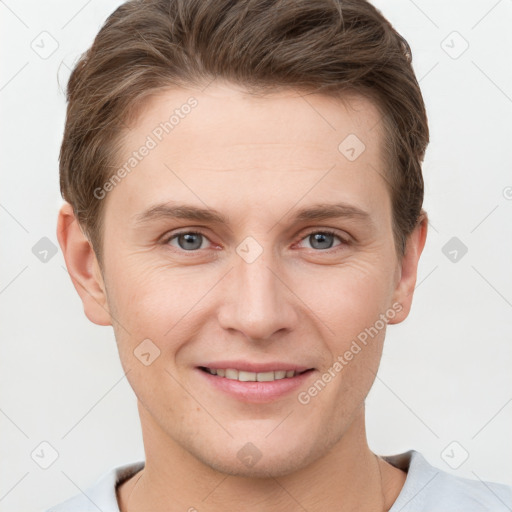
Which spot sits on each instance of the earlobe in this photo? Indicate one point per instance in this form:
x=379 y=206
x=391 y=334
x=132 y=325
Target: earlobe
x=82 y=266
x=406 y=283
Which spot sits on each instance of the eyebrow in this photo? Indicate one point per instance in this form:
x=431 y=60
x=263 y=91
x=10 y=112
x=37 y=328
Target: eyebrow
x=322 y=211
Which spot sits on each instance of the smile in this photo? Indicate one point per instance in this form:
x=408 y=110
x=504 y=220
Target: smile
x=244 y=376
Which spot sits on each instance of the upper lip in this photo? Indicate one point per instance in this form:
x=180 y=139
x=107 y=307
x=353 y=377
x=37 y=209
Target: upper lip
x=248 y=366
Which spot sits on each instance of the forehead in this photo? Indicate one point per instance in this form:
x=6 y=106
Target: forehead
x=226 y=143
x=288 y=116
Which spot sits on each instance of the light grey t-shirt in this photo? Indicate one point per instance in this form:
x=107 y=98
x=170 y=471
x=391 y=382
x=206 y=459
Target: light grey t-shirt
x=426 y=489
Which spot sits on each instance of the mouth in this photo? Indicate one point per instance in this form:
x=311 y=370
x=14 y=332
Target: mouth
x=245 y=376
x=255 y=387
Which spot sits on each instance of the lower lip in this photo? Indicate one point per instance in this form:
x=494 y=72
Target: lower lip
x=257 y=392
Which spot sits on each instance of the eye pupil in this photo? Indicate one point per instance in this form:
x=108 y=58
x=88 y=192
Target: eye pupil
x=191 y=241
x=322 y=238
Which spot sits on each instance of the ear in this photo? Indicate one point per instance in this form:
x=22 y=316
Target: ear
x=82 y=266
x=408 y=269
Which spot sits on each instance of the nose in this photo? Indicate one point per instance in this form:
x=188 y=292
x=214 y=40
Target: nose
x=257 y=300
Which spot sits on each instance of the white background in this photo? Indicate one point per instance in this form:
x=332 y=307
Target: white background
x=446 y=372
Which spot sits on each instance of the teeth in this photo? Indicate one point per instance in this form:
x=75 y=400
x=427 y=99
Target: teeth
x=246 y=376
x=264 y=376
x=231 y=374
x=243 y=376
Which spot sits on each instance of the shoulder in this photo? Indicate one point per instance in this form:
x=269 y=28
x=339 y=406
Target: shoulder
x=102 y=494
x=428 y=488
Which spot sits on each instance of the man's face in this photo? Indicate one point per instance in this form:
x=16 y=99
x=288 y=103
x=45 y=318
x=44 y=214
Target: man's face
x=264 y=286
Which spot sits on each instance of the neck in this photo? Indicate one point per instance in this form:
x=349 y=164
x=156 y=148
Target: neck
x=347 y=477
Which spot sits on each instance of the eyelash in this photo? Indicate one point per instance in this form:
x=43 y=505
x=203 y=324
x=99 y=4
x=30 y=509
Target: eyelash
x=326 y=231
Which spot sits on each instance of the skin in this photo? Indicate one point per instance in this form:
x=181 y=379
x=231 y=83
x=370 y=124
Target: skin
x=255 y=160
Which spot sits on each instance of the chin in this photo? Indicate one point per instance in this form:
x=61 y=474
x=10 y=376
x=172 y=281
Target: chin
x=259 y=458
x=277 y=466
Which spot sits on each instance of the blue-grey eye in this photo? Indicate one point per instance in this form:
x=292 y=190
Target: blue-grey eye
x=321 y=240
x=188 y=241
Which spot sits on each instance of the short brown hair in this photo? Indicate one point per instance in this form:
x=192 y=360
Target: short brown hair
x=323 y=46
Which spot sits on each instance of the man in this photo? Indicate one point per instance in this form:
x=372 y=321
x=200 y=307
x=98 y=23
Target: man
x=244 y=206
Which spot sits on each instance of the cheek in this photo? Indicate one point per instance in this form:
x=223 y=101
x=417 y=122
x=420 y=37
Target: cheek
x=348 y=303
x=346 y=298
x=154 y=296
x=159 y=303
